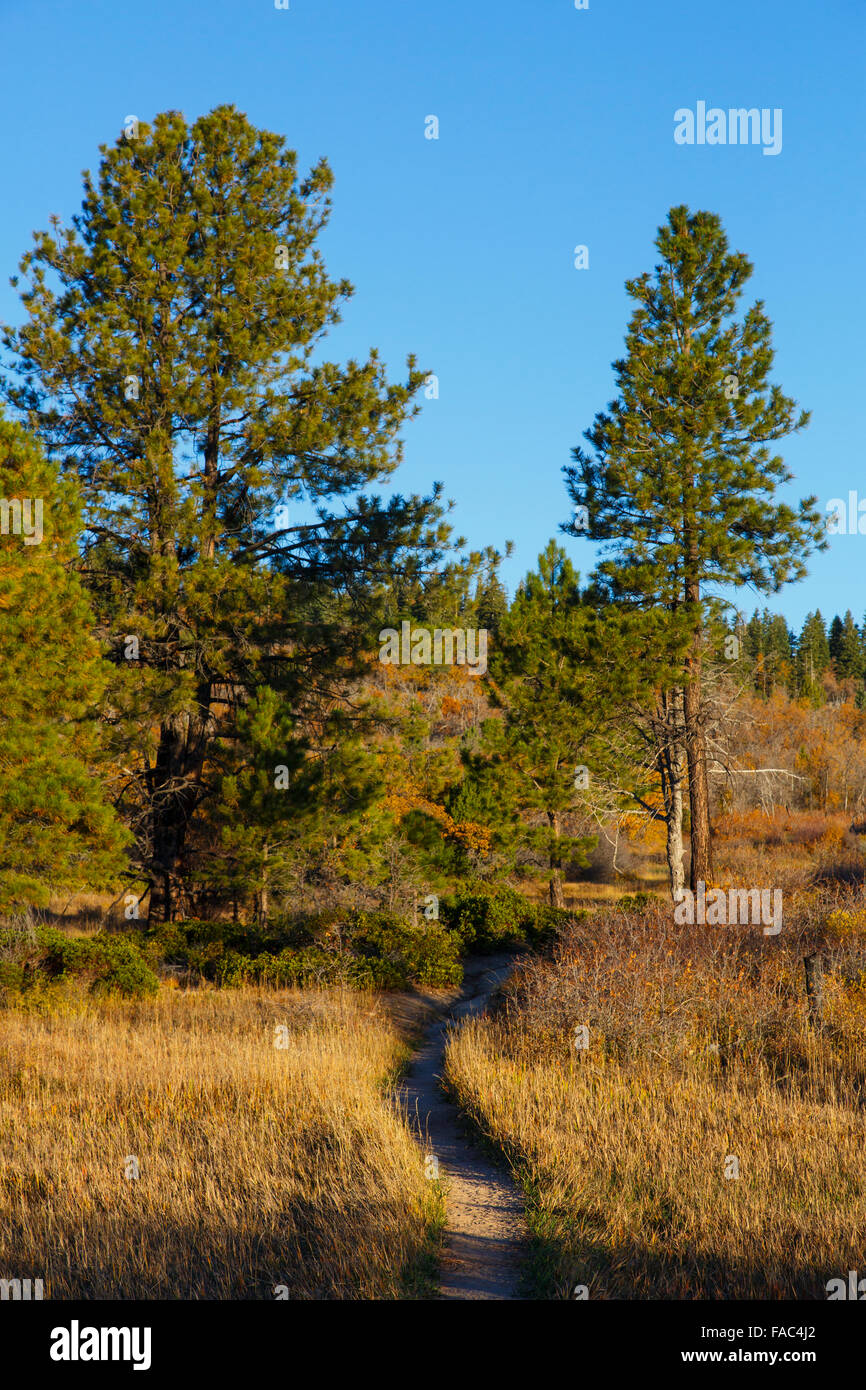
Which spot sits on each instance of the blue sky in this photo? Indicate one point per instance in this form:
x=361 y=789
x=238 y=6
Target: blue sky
x=555 y=129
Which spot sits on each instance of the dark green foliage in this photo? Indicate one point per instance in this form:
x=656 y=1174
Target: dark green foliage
x=360 y=949
x=845 y=646
x=561 y=673
x=488 y=919
x=424 y=953
x=548 y=921
x=172 y=360
x=768 y=651
x=681 y=480
x=491 y=604
x=57 y=831
x=813 y=657
x=635 y=902
x=105 y=964
x=776 y=658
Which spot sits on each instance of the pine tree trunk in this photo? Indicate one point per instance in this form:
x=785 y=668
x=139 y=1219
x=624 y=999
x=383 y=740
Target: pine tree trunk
x=701 y=870
x=174 y=788
x=672 y=779
x=169 y=810
x=668 y=733
x=264 y=898
x=557 y=897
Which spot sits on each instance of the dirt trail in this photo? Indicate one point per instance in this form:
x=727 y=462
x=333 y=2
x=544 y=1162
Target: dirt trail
x=484 y=1224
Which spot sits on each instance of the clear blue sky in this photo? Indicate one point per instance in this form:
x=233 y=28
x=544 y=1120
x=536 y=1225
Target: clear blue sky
x=556 y=128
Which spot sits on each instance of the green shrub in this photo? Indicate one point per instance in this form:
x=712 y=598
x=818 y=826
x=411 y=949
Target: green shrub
x=549 y=920
x=362 y=949
x=172 y=942
x=125 y=970
x=405 y=952
x=635 y=902
x=12 y=977
x=488 y=919
x=112 y=963
x=106 y=963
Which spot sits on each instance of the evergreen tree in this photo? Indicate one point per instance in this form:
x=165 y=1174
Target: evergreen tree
x=779 y=650
x=834 y=636
x=813 y=657
x=57 y=831
x=681 y=480
x=845 y=647
x=491 y=603
x=172 y=360
x=558 y=676
x=278 y=802
x=754 y=636
x=768 y=649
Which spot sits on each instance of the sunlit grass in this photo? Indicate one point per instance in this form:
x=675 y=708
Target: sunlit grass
x=701 y=1063
x=259 y=1166
x=629 y=1175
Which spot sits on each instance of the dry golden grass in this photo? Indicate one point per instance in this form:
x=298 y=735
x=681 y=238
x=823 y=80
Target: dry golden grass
x=625 y=1166
x=259 y=1166
x=789 y=849
x=699 y=1052
x=585 y=894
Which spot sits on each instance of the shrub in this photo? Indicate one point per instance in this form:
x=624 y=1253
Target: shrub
x=426 y=953
x=12 y=976
x=489 y=919
x=548 y=921
x=635 y=902
x=361 y=949
x=107 y=963
x=112 y=963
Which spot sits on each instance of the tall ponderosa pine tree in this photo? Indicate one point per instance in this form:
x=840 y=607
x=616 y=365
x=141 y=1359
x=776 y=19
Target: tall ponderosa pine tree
x=57 y=831
x=681 y=480
x=171 y=358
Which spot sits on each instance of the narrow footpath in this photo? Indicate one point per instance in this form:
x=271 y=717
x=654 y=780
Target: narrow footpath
x=485 y=1231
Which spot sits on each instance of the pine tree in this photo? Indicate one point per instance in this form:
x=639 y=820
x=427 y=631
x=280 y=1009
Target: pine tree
x=768 y=649
x=176 y=370
x=57 y=831
x=558 y=676
x=779 y=650
x=845 y=647
x=813 y=657
x=834 y=637
x=681 y=480
x=491 y=604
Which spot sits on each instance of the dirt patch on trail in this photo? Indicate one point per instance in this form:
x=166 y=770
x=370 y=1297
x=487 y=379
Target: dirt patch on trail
x=485 y=1231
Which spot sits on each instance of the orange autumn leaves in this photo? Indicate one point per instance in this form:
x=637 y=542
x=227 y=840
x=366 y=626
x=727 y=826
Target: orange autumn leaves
x=467 y=834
